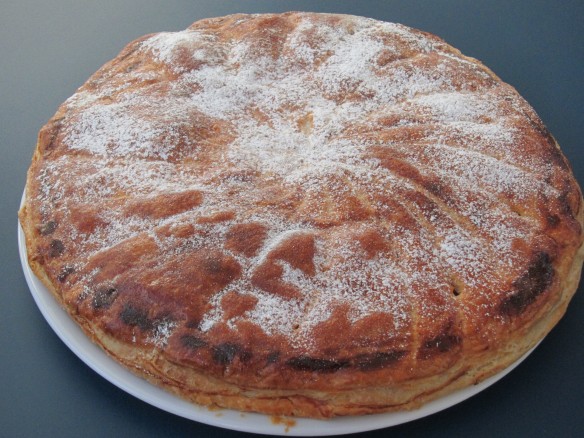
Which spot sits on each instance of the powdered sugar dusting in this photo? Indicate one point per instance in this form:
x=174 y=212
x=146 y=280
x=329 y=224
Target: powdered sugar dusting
x=307 y=121
x=162 y=331
x=164 y=47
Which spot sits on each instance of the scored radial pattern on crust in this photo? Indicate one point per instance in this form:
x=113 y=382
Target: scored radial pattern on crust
x=320 y=192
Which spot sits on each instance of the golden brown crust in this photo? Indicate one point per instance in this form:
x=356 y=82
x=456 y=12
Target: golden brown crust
x=304 y=214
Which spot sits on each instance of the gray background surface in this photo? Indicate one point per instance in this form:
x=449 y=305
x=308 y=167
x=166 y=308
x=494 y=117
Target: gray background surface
x=49 y=48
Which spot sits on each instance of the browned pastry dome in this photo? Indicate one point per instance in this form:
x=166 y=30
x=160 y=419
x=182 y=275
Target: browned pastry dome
x=304 y=214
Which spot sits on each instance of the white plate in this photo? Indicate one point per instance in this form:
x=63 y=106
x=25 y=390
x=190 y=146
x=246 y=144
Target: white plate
x=101 y=363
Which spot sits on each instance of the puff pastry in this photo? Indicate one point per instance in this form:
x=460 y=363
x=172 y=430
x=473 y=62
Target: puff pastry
x=304 y=214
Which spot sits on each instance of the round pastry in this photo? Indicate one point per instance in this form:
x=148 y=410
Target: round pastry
x=304 y=214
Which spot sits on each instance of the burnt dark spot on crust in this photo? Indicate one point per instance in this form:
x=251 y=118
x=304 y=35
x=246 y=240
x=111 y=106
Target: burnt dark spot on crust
x=104 y=297
x=245 y=356
x=373 y=361
x=553 y=220
x=48 y=228
x=65 y=272
x=192 y=342
x=273 y=357
x=307 y=363
x=56 y=248
x=436 y=188
x=529 y=286
x=193 y=324
x=442 y=343
x=225 y=353
x=135 y=317
x=565 y=204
